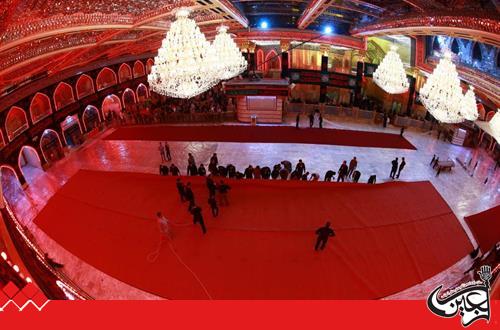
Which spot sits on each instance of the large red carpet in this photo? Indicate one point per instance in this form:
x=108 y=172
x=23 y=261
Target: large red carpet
x=264 y=134
x=389 y=236
x=486 y=227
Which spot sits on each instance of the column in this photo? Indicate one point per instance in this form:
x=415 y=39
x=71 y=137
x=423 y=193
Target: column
x=284 y=46
x=324 y=73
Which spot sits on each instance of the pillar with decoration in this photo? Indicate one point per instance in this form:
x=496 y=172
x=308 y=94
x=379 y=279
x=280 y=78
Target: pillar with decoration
x=284 y=46
x=324 y=73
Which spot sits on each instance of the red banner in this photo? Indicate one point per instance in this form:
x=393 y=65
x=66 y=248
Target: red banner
x=237 y=315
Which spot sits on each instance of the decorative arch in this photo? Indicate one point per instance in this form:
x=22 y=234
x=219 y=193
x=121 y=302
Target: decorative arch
x=128 y=97
x=28 y=156
x=40 y=107
x=481 y=111
x=58 y=153
x=124 y=73
x=84 y=86
x=111 y=103
x=142 y=92
x=88 y=117
x=16 y=122
x=10 y=182
x=139 y=69
x=10 y=169
x=275 y=63
x=260 y=60
x=149 y=65
x=63 y=95
x=68 y=123
x=2 y=140
x=106 y=78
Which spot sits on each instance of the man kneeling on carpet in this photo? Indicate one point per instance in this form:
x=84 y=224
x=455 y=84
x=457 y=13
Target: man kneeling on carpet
x=323 y=234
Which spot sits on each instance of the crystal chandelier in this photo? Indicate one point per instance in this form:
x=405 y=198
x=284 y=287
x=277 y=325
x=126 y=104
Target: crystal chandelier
x=230 y=60
x=186 y=64
x=390 y=74
x=441 y=94
x=469 y=106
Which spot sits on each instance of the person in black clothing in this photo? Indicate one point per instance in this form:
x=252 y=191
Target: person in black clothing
x=249 y=172
x=401 y=166
x=311 y=120
x=323 y=234
x=300 y=167
x=181 y=189
x=320 y=121
x=214 y=159
x=402 y=131
x=212 y=168
x=222 y=171
x=287 y=165
x=342 y=171
x=201 y=170
x=276 y=171
x=198 y=218
x=191 y=160
x=355 y=176
x=265 y=172
x=394 y=168
x=213 y=205
x=297 y=120
x=189 y=195
x=192 y=170
x=174 y=170
x=167 y=151
x=329 y=175
x=304 y=176
x=211 y=186
x=284 y=174
x=231 y=171
x=223 y=190
x=163 y=169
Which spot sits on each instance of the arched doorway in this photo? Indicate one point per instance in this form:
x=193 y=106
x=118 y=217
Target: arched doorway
x=29 y=163
x=16 y=123
x=106 y=78
x=40 y=107
x=272 y=64
x=124 y=73
x=51 y=146
x=142 y=93
x=11 y=186
x=63 y=95
x=84 y=86
x=72 y=131
x=111 y=107
x=149 y=65
x=128 y=99
x=139 y=70
x=91 y=118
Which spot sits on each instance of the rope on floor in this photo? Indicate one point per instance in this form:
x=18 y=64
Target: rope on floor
x=153 y=256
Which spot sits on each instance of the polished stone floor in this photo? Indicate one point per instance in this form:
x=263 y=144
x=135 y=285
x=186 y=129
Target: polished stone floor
x=464 y=193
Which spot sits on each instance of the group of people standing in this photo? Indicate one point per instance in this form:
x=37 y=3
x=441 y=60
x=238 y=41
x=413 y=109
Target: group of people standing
x=186 y=194
x=314 y=116
x=397 y=167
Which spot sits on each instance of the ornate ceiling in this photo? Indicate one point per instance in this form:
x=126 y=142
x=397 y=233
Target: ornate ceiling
x=49 y=36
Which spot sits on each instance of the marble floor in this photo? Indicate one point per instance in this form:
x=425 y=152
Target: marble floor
x=464 y=191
